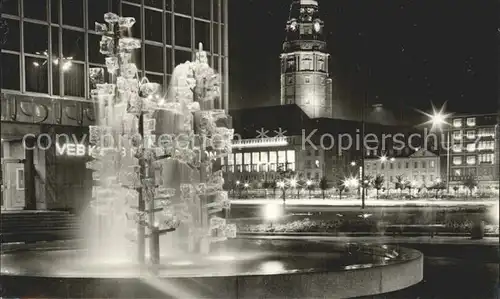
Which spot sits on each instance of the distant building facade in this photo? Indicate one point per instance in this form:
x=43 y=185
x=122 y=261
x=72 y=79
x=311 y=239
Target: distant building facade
x=473 y=149
x=421 y=168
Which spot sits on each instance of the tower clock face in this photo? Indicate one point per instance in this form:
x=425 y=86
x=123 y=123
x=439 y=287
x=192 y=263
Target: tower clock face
x=317 y=26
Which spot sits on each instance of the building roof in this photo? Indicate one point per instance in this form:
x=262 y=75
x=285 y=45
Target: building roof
x=291 y=118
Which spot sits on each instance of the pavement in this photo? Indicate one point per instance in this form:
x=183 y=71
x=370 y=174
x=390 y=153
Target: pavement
x=487 y=241
x=368 y=202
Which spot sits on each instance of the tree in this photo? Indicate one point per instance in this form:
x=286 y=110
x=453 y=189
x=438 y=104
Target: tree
x=265 y=185
x=310 y=187
x=437 y=187
x=470 y=183
x=378 y=183
x=273 y=185
x=400 y=184
x=340 y=185
x=366 y=183
x=301 y=184
x=323 y=185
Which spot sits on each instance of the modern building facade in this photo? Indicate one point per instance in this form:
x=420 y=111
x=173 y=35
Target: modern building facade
x=421 y=168
x=473 y=149
x=260 y=160
x=47 y=50
x=305 y=79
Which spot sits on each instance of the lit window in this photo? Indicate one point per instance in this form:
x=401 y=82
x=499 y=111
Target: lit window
x=457 y=160
x=471 y=134
x=457 y=134
x=471 y=121
x=457 y=172
x=471 y=147
x=457 y=123
x=471 y=160
x=432 y=164
x=457 y=148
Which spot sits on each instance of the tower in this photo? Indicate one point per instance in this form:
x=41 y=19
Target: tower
x=304 y=61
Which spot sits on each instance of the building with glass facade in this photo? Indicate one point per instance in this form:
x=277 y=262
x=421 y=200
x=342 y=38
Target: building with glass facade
x=48 y=47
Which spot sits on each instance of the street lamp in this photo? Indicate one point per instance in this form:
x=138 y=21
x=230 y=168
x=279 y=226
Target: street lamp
x=309 y=184
x=281 y=185
x=353 y=163
x=438 y=120
x=246 y=188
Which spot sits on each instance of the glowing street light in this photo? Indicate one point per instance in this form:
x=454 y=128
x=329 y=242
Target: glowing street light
x=393 y=159
x=383 y=159
x=293 y=183
x=272 y=212
x=438 y=120
x=237 y=183
x=281 y=184
x=246 y=185
x=308 y=183
x=353 y=163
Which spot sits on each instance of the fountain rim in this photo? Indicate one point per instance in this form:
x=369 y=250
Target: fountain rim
x=408 y=255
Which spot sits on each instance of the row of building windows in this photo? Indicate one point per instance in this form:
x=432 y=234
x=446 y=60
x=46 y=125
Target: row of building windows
x=482 y=173
x=406 y=165
x=70 y=42
x=73 y=73
x=260 y=161
x=49 y=51
x=471 y=147
x=72 y=11
x=267 y=167
x=470 y=160
x=306 y=62
x=458 y=122
x=415 y=177
x=471 y=134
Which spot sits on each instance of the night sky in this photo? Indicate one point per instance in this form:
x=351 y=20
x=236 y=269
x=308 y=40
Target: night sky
x=418 y=51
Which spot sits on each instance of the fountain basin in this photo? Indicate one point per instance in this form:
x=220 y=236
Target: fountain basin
x=240 y=268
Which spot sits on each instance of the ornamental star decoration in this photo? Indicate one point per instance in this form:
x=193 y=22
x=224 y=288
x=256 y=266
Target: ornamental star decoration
x=280 y=133
x=263 y=133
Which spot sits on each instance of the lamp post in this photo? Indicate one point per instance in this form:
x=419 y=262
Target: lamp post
x=309 y=183
x=246 y=185
x=238 y=188
x=282 y=186
x=293 y=184
x=438 y=120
